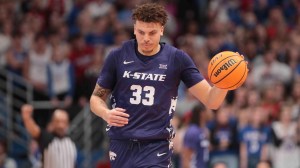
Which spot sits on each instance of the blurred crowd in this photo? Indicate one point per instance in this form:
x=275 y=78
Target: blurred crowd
x=59 y=47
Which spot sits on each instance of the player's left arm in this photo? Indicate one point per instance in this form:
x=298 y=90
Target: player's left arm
x=211 y=96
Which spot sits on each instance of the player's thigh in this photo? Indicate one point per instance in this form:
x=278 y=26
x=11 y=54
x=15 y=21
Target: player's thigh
x=119 y=154
x=155 y=155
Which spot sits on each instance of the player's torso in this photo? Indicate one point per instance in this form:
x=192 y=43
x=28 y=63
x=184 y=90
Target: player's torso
x=148 y=91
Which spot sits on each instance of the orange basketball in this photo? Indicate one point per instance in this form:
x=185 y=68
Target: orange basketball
x=227 y=70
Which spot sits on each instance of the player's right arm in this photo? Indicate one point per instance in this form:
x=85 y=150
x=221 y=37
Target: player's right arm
x=114 y=117
x=31 y=126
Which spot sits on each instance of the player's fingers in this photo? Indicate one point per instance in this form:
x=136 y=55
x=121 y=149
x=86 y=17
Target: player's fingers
x=119 y=122
x=116 y=124
x=120 y=119
x=120 y=109
x=122 y=114
x=241 y=55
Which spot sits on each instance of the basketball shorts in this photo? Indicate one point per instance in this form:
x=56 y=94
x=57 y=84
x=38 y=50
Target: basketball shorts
x=140 y=154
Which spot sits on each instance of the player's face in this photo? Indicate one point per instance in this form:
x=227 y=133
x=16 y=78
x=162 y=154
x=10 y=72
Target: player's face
x=148 y=37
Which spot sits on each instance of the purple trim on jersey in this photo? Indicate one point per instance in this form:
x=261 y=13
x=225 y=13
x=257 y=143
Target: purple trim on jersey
x=148 y=91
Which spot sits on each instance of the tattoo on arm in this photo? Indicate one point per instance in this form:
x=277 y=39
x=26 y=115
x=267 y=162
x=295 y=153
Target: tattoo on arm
x=101 y=92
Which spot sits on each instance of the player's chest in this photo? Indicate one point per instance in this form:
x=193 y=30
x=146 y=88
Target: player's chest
x=153 y=71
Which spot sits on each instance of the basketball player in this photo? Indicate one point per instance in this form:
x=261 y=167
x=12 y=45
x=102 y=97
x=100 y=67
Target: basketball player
x=143 y=77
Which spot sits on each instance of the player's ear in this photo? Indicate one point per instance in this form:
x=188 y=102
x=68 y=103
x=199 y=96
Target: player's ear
x=162 y=30
x=134 y=29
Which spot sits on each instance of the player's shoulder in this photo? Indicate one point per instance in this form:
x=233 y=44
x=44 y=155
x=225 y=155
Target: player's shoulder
x=181 y=56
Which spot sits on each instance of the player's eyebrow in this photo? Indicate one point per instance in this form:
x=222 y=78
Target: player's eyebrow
x=153 y=31
x=141 y=31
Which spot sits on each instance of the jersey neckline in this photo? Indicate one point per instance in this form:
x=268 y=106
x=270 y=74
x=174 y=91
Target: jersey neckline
x=151 y=58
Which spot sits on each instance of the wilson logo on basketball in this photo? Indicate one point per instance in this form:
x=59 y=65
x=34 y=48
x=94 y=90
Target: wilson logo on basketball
x=225 y=66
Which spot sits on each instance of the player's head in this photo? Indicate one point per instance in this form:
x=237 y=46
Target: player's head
x=60 y=122
x=149 y=20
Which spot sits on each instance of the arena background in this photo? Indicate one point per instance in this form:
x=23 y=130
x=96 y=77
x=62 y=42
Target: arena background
x=82 y=32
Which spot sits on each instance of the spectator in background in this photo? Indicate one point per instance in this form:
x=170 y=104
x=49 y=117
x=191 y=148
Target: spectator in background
x=58 y=38
x=223 y=139
x=293 y=60
x=264 y=164
x=270 y=104
x=254 y=139
x=92 y=72
x=295 y=100
x=60 y=75
x=286 y=150
x=57 y=149
x=219 y=165
x=195 y=151
x=5 y=161
x=35 y=67
x=100 y=33
x=120 y=35
x=34 y=155
x=84 y=23
x=253 y=98
x=81 y=57
x=276 y=25
x=16 y=55
x=28 y=34
x=270 y=71
x=239 y=100
x=298 y=132
x=55 y=20
x=98 y=8
x=6 y=30
x=243 y=118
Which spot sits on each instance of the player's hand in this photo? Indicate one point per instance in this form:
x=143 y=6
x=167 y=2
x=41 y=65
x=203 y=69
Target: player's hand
x=117 y=117
x=27 y=111
x=241 y=55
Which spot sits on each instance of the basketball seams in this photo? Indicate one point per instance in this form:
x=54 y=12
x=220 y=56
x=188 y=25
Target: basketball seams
x=219 y=63
x=239 y=80
x=229 y=72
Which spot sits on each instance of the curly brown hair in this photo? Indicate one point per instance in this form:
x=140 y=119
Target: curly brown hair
x=150 y=12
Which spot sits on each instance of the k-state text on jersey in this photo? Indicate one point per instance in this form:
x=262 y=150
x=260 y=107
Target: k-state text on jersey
x=144 y=76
